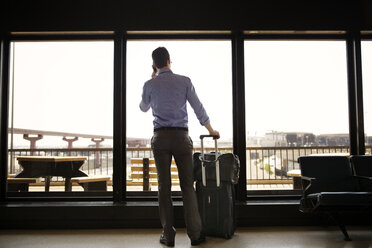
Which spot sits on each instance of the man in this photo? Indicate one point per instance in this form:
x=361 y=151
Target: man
x=167 y=93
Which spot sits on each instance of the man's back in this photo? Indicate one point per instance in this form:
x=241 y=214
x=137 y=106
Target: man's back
x=167 y=94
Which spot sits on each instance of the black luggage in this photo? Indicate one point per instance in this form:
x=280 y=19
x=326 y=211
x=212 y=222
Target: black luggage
x=215 y=175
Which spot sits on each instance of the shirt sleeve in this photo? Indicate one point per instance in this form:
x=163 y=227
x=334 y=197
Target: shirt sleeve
x=146 y=99
x=195 y=103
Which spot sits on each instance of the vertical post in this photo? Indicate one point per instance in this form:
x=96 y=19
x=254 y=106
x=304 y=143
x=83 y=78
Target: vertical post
x=4 y=101
x=352 y=94
x=146 y=174
x=32 y=142
x=47 y=183
x=69 y=143
x=239 y=141
x=97 y=157
x=359 y=93
x=119 y=148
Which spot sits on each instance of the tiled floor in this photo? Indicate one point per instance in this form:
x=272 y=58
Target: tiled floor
x=255 y=237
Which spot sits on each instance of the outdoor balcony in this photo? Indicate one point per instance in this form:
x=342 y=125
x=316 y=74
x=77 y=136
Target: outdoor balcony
x=267 y=167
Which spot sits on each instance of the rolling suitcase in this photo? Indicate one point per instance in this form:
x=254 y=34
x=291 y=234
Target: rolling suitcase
x=215 y=177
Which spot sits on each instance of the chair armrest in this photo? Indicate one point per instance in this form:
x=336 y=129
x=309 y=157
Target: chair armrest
x=310 y=179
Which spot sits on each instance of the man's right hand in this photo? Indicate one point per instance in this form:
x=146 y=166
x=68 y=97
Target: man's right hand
x=154 y=71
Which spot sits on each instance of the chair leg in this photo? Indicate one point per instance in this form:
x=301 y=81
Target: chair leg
x=343 y=230
x=336 y=217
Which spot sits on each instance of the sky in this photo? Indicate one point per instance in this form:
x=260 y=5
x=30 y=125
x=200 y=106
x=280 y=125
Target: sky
x=291 y=86
x=65 y=87
x=207 y=64
x=296 y=86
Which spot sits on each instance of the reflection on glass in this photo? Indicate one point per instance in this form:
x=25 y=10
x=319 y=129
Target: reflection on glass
x=61 y=111
x=296 y=104
x=208 y=65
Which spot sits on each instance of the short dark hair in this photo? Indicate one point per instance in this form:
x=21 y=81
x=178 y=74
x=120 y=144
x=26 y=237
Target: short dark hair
x=160 y=56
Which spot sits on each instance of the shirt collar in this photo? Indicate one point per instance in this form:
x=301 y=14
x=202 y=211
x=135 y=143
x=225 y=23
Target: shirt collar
x=164 y=71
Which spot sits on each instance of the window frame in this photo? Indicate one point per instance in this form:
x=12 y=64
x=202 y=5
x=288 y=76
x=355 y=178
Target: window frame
x=365 y=36
x=64 y=37
x=120 y=38
x=171 y=36
x=315 y=36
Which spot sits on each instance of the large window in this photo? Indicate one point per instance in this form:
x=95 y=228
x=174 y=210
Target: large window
x=367 y=89
x=296 y=104
x=61 y=114
x=61 y=107
x=208 y=65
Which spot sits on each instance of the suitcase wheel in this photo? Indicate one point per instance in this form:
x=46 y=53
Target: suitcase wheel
x=228 y=236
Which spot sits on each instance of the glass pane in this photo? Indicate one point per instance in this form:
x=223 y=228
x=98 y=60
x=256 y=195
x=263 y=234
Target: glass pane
x=208 y=65
x=61 y=116
x=367 y=88
x=296 y=104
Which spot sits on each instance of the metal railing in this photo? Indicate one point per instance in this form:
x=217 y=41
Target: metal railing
x=264 y=164
x=269 y=164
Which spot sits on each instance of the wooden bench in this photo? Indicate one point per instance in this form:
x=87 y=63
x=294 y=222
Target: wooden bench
x=21 y=184
x=92 y=183
x=143 y=172
x=296 y=174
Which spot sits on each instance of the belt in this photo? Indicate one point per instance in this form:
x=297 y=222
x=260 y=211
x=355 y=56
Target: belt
x=171 y=128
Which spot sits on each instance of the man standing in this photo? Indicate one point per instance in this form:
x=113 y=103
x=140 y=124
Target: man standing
x=167 y=94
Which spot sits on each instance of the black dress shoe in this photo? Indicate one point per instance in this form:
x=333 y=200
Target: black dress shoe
x=198 y=241
x=164 y=241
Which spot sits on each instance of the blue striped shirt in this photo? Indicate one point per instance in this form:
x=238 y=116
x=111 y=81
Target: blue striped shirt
x=167 y=95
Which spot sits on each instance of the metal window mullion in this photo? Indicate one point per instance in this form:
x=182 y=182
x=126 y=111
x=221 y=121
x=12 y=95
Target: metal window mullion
x=352 y=93
x=119 y=148
x=359 y=92
x=239 y=143
x=4 y=89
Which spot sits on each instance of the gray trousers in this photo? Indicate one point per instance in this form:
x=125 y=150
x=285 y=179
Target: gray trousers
x=176 y=143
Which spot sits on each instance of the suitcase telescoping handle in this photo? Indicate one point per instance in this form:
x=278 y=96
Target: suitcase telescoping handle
x=204 y=177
